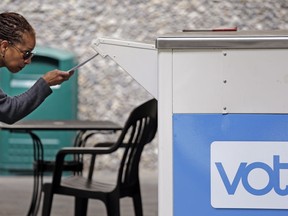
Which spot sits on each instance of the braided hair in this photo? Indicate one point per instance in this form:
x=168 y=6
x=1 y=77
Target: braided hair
x=13 y=26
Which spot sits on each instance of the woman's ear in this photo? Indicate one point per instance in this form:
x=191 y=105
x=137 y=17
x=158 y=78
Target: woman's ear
x=3 y=47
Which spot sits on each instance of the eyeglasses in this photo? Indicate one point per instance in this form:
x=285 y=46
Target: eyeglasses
x=26 y=54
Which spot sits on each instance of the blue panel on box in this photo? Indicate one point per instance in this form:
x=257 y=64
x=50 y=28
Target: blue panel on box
x=193 y=135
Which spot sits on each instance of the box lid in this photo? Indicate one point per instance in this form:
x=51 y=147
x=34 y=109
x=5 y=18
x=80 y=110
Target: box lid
x=207 y=39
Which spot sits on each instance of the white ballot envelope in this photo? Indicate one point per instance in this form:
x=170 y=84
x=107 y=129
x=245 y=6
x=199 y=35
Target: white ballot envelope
x=82 y=63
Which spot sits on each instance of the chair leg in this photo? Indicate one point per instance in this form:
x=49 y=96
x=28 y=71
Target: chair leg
x=81 y=205
x=137 y=202
x=113 y=207
x=47 y=201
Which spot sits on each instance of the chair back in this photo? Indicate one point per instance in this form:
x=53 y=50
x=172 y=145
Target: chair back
x=140 y=129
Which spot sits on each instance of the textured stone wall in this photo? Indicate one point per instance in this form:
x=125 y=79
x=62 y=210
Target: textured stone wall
x=105 y=90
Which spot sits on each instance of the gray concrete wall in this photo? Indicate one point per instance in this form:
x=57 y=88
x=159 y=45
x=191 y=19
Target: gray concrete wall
x=105 y=90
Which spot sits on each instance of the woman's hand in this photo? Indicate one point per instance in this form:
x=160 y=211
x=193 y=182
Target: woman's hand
x=57 y=77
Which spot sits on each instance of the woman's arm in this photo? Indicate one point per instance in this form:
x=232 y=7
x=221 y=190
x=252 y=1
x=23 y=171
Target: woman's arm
x=15 y=108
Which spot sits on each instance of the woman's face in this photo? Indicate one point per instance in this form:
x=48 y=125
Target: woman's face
x=18 y=55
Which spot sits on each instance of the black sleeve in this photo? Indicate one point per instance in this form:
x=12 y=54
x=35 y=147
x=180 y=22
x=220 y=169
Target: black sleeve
x=15 y=108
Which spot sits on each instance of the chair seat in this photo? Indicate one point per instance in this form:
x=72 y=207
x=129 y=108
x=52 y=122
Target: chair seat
x=80 y=183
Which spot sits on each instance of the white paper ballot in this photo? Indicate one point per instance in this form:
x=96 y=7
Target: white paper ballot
x=82 y=63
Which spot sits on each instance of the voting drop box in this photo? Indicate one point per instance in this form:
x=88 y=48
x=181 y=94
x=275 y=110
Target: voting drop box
x=223 y=123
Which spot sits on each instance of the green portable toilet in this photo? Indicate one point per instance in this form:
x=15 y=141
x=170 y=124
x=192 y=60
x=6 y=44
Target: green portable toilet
x=16 y=149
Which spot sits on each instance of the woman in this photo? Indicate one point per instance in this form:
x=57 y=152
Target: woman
x=17 y=41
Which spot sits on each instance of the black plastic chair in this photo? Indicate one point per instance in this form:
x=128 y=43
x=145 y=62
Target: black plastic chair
x=140 y=129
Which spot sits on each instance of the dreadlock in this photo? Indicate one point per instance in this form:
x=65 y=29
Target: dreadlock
x=13 y=26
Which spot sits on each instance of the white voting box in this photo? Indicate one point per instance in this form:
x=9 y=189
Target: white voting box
x=223 y=123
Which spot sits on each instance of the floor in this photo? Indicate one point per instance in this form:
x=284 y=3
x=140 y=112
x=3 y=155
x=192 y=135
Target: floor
x=15 y=195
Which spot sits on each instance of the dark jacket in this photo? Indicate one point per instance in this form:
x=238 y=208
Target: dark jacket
x=15 y=108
